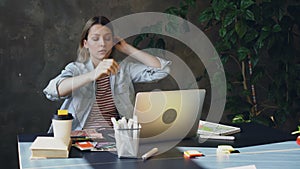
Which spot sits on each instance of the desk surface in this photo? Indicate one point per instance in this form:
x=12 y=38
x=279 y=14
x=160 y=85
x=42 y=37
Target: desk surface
x=92 y=160
x=268 y=156
x=249 y=139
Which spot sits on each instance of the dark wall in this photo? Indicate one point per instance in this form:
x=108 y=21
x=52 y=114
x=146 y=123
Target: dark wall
x=38 y=38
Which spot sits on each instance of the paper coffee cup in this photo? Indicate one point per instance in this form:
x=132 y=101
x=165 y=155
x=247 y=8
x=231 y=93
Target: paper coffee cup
x=62 y=126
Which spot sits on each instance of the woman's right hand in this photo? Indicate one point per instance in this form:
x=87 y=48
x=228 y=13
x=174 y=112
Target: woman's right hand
x=106 y=67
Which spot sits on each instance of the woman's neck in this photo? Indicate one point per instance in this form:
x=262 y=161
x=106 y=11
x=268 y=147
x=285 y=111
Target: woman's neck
x=96 y=62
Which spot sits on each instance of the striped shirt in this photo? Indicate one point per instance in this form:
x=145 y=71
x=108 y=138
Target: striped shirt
x=104 y=106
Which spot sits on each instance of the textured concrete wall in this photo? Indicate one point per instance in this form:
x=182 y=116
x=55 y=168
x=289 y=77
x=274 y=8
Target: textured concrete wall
x=38 y=38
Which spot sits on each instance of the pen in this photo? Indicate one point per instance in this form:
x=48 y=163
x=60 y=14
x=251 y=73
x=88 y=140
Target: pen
x=216 y=137
x=149 y=153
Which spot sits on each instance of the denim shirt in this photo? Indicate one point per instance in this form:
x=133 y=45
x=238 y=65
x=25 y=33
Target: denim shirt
x=80 y=102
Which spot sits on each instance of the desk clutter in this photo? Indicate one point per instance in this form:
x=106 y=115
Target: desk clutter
x=125 y=142
x=59 y=145
x=91 y=140
x=211 y=130
x=127 y=135
x=125 y=138
x=220 y=151
x=49 y=147
x=226 y=149
x=218 y=154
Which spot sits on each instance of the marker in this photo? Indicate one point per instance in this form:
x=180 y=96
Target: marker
x=115 y=123
x=149 y=153
x=135 y=122
x=130 y=123
x=122 y=123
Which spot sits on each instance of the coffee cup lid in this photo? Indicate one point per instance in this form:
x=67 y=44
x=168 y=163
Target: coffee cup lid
x=63 y=117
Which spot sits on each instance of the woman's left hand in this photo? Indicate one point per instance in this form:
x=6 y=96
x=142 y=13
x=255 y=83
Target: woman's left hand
x=139 y=55
x=123 y=46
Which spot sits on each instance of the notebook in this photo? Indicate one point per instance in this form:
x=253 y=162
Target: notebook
x=168 y=115
x=49 y=147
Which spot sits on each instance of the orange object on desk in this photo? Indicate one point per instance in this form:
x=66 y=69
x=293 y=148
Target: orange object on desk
x=192 y=153
x=86 y=145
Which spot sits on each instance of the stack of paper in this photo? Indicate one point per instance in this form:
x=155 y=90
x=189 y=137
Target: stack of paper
x=49 y=147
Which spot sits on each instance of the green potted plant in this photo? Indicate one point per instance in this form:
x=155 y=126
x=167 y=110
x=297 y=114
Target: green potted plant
x=258 y=40
x=257 y=43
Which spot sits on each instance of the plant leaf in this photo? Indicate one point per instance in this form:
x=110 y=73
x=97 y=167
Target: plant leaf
x=242 y=53
x=222 y=32
x=151 y=43
x=238 y=119
x=183 y=11
x=233 y=38
x=218 y=7
x=223 y=46
x=249 y=15
x=240 y=28
x=246 y=3
x=258 y=74
x=172 y=28
x=137 y=40
x=250 y=35
x=172 y=10
x=160 y=43
x=206 y=15
x=190 y=2
x=229 y=18
x=276 y=28
x=266 y=28
x=262 y=37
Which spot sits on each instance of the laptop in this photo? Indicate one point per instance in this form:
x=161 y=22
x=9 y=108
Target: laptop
x=168 y=115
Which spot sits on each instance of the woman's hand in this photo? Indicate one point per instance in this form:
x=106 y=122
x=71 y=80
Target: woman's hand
x=105 y=68
x=123 y=46
x=139 y=55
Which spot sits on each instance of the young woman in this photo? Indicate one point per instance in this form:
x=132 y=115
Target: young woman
x=96 y=87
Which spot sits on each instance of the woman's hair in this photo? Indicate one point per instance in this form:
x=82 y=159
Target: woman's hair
x=82 y=53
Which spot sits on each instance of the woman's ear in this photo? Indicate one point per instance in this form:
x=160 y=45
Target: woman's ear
x=85 y=44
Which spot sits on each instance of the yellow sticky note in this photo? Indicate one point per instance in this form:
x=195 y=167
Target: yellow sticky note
x=62 y=112
x=224 y=149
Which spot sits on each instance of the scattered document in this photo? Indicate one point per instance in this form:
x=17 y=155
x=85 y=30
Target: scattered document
x=210 y=128
x=91 y=133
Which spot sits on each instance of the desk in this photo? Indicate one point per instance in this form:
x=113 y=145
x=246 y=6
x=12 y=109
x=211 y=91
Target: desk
x=103 y=160
x=251 y=135
x=268 y=156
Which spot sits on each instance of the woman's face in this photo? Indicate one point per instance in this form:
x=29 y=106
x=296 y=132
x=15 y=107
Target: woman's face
x=99 y=43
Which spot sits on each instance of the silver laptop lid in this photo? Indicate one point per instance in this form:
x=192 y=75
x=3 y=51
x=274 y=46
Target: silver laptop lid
x=168 y=115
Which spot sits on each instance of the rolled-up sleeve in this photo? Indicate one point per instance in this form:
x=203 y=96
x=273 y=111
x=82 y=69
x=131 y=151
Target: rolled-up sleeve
x=142 y=73
x=51 y=91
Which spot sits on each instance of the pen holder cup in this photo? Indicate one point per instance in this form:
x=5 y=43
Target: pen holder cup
x=127 y=142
